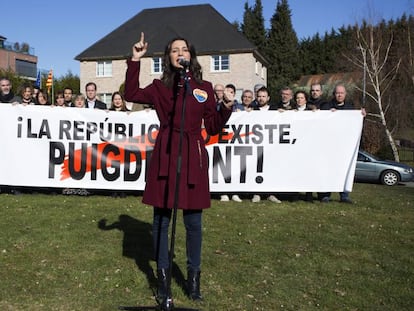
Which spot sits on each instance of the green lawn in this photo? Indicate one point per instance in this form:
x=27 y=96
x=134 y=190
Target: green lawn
x=94 y=253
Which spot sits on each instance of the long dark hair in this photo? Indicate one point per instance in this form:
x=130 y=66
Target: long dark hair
x=170 y=72
x=123 y=107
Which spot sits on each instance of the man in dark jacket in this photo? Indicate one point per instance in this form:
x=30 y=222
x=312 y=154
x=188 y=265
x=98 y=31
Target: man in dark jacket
x=286 y=100
x=315 y=96
x=339 y=102
x=91 y=100
x=6 y=93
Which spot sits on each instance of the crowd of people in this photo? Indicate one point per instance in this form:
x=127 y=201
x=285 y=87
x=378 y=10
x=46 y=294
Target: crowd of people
x=175 y=180
x=256 y=99
x=33 y=95
x=259 y=99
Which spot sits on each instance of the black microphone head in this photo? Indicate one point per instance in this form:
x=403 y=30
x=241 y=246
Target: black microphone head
x=184 y=62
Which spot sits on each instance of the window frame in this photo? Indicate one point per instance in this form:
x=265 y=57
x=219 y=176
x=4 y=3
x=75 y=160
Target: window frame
x=218 y=61
x=156 y=62
x=104 y=68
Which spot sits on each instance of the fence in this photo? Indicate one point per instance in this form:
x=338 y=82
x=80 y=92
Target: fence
x=406 y=155
x=17 y=47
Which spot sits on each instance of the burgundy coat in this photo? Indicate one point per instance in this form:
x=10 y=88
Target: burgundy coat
x=194 y=192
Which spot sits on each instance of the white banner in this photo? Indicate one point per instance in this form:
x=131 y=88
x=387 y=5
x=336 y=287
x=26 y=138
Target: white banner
x=258 y=151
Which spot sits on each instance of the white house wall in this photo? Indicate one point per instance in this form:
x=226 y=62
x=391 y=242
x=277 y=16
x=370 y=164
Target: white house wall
x=242 y=73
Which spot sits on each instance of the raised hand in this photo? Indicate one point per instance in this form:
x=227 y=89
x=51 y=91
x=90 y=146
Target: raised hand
x=139 y=49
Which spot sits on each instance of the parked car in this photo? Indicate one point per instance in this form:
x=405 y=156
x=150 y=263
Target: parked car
x=371 y=169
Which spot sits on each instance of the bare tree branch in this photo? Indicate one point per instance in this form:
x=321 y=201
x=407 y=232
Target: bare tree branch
x=375 y=60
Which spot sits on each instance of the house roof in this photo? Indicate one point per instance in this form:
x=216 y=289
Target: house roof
x=201 y=24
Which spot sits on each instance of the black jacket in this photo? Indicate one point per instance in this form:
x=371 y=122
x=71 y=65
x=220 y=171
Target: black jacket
x=316 y=103
x=281 y=105
x=333 y=104
x=98 y=104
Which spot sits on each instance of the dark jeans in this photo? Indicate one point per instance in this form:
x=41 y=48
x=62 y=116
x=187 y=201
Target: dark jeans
x=192 y=223
x=342 y=195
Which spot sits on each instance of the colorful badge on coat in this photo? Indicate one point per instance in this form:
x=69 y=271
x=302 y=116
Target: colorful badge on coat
x=200 y=95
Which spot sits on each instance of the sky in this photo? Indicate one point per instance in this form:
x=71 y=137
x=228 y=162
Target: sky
x=59 y=32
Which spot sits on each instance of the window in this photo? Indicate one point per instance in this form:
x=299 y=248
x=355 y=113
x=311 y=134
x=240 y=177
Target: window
x=106 y=98
x=220 y=63
x=263 y=73
x=25 y=68
x=104 y=69
x=156 y=65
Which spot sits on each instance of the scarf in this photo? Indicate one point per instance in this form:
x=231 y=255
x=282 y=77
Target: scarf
x=6 y=98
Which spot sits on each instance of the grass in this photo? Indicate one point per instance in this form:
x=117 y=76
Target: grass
x=94 y=253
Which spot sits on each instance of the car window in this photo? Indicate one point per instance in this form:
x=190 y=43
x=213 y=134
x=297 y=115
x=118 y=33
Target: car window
x=361 y=157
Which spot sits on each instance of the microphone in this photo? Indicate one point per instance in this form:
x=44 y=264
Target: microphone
x=183 y=62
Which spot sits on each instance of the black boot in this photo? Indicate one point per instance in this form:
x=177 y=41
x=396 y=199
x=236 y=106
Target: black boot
x=193 y=284
x=162 y=297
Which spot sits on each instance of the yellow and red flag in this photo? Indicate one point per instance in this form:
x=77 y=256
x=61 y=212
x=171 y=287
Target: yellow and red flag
x=49 y=81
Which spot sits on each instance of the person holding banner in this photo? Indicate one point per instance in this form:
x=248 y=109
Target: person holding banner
x=36 y=90
x=247 y=99
x=219 y=90
x=339 y=102
x=286 y=100
x=118 y=103
x=59 y=99
x=79 y=101
x=68 y=95
x=180 y=84
x=263 y=100
x=92 y=100
x=26 y=95
x=42 y=98
x=316 y=96
x=255 y=104
x=6 y=93
x=301 y=102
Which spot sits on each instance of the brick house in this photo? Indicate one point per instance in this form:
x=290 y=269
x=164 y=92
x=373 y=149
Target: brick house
x=18 y=58
x=225 y=55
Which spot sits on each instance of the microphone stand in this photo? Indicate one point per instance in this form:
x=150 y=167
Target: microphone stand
x=169 y=305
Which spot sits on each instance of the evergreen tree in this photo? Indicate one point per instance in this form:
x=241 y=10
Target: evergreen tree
x=237 y=25
x=69 y=80
x=253 y=25
x=311 y=51
x=282 y=50
x=329 y=52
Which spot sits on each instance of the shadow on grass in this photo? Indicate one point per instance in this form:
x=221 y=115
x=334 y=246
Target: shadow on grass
x=137 y=245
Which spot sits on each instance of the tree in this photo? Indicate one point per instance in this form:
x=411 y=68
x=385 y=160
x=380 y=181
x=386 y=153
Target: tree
x=311 y=52
x=373 y=62
x=282 y=49
x=16 y=46
x=69 y=80
x=253 y=25
x=409 y=24
x=25 y=48
x=237 y=25
x=402 y=114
